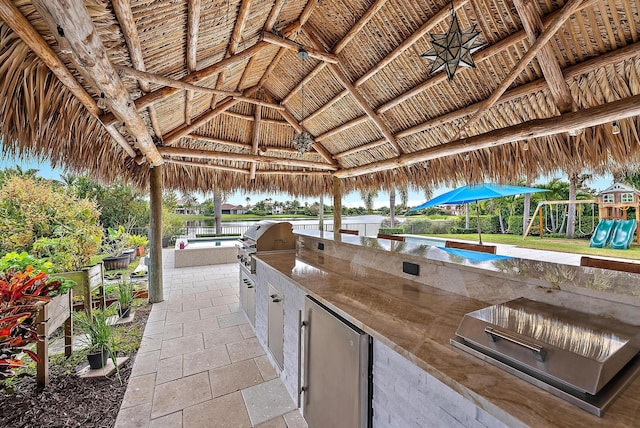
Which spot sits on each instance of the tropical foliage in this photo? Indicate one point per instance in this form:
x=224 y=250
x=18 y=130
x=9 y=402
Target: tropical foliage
x=22 y=294
x=38 y=218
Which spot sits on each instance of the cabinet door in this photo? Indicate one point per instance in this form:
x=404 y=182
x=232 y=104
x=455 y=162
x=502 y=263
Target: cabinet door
x=275 y=333
x=336 y=371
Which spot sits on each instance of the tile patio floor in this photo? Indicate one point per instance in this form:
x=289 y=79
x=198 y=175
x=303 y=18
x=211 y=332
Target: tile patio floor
x=199 y=363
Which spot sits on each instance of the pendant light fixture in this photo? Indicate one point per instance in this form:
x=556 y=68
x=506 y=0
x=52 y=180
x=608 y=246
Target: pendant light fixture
x=303 y=140
x=454 y=48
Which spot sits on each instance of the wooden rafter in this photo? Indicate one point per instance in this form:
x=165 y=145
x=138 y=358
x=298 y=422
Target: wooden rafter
x=10 y=14
x=358 y=97
x=547 y=60
x=162 y=80
x=174 y=135
x=567 y=10
x=570 y=73
x=273 y=15
x=255 y=139
x=206 y=166
x=122 y=9
x=234 y=42
x=287 y=44
x=162 y=93
x=70 y=23
x=266 y=121
x=245 y=146
x=258 y=102
x=241 y=157
x=193 y=26
x=616 y=110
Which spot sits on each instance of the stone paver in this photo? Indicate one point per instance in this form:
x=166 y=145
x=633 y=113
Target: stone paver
x=199 y=361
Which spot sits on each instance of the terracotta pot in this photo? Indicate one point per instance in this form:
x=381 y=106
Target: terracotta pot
x=140 y=251
x=98 y=360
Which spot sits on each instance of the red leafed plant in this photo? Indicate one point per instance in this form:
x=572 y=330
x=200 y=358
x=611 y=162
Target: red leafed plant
x=22 y=294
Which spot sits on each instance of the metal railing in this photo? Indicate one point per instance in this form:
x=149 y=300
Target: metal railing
x=364 y=229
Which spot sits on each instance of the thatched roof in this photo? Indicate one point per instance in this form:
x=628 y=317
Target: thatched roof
x=71 y=90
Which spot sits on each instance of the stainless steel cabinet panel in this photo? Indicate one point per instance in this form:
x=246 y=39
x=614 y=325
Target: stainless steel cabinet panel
x=275 y=329
x=336 y=371
x=248 y=297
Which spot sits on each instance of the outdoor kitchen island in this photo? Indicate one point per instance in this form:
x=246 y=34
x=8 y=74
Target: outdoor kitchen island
x=419 y=379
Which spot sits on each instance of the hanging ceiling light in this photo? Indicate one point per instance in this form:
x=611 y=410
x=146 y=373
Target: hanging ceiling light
x=615 y=127
x=303 y=140
x=454 y=48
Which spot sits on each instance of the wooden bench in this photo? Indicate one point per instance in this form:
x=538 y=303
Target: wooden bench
x=349 y=232
x=491 y=249
x=391 y=237
x=610 y=264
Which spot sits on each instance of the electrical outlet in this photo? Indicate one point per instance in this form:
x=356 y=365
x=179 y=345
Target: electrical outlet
x=411 y=268
x=321 y=246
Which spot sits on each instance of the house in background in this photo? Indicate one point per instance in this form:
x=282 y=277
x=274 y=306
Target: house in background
x=233 y=209
x=186 y=207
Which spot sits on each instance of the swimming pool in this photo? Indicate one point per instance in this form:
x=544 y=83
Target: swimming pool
x=426 y=240
x=470 y=256
x=210 y=242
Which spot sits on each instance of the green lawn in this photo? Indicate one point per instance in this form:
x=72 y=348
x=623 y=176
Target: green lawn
x=578 y=246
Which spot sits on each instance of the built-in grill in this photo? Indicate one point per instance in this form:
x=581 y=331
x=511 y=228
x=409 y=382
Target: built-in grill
x=585 y=359
x=266 y=235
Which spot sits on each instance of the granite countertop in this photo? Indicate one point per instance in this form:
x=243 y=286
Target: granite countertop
x=417 y=321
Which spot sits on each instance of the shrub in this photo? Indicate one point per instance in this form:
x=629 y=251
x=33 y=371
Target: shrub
x=39 y=219
x=488 y=223
x=426 y=226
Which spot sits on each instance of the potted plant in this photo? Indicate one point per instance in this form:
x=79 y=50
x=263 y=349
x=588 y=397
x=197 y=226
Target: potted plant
x=125 y=298
x=98 y=336
x=114 y=245
x=138 y=242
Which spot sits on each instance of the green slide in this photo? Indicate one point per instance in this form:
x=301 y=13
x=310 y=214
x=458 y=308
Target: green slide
x=601 y=235
x=623 y=234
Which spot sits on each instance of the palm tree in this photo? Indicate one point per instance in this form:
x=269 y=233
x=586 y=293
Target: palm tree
x=248 y=201
x=404 y=196
x=368 y=198
x=392 y=207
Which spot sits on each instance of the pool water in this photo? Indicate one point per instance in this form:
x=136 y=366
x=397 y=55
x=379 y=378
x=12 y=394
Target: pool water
x=472 y=256
x=212 y=242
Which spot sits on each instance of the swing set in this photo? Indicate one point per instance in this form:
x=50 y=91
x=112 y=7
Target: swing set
x=539 y=213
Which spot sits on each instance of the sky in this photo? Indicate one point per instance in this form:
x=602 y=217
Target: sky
x=350 y=200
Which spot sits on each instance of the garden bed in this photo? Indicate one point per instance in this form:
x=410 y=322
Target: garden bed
x=69 y=401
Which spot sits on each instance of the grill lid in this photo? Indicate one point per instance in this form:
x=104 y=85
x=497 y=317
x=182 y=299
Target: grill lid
x=557 y=345
x=268 y=235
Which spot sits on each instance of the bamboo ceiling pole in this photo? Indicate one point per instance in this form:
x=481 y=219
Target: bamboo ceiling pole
x=155 y=232
x=255 y=136
x=122 y=9
x=161 y=80
x=70 y=23
x=313 y=53
x=207 y=166
x=287 y=150
x=10 y=14
x=242 y=157
x=616 y=110
x=532 y=23
x=567 y=10
x=337 y=208
x=174 y=135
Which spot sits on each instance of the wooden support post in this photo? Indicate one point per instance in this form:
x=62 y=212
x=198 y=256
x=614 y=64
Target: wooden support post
x=321 y=212
x=155 y=228
x=42 y=349
x=541 y=225
x=337 y=208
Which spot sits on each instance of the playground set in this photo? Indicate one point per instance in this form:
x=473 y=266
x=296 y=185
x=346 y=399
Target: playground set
x=614 y=228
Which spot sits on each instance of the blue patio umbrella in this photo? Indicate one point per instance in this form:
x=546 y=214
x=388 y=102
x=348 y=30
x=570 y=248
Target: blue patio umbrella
x=475 y=193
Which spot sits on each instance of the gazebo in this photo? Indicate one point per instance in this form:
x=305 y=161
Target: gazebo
x=318 y=97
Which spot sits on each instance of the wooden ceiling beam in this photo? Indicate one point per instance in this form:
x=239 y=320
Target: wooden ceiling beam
x=344 y=80
x=206 y=166
x=241 y=157
x=273 y=15
x=288 y=44
x=251 y=118
x=258 y=102
x=70 y=23
x=175 y=134
x=532 y=24
x=616 y=110
x=570 y=73
x=166 y=81
x=289 y=172
x=162 y=93
x=567 y=10
x=193 y=27
x=122 y=9
x=255 y=139
x=347 y=125
x=368 y=146
x=287 y=150
x=272 y=65
x=10 y=14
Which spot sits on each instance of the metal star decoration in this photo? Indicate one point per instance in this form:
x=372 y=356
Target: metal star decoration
x=454 y=48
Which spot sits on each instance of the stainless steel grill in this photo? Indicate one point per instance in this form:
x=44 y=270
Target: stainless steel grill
x=583 y=358
x=266 y=235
